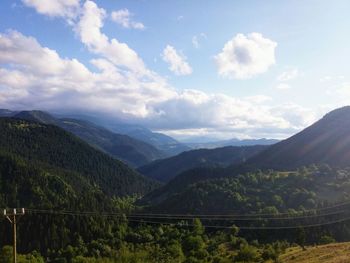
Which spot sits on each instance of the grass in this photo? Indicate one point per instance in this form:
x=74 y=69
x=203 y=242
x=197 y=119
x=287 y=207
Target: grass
x=330 y=253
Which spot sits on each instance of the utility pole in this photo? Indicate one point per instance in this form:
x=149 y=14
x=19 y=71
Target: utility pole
x=12 y=217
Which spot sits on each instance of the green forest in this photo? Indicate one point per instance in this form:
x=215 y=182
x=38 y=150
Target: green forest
x=81 y=205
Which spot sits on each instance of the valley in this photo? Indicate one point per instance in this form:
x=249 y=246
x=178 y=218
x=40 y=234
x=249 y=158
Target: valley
x=208 y=205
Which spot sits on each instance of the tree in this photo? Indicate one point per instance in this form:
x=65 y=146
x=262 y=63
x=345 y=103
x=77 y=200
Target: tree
x=247 y=254
x=6 y=254
x=198 y=228
x=301 y=238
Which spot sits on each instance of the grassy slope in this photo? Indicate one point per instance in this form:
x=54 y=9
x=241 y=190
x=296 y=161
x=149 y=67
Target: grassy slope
x=331 y=253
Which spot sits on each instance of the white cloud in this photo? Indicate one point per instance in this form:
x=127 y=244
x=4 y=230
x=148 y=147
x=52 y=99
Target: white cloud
x=55 y=8
x=225 y=116
x=37 y=76
x=124 y=18
x=26 y=82
x=177 y=62
x=121 y=86
x=288 y=75
x=246 y=56
x=283 y=86
x=89 y=31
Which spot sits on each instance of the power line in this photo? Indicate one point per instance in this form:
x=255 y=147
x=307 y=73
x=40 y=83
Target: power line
x=254 y=227
x=216 y=216
x=255 y=214
x=141 y=220
x=151 y=218
x=169 y=216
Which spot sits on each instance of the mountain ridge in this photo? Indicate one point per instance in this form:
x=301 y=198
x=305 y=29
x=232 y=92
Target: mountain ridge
x=325 y=141
x=166 y=169
x=132 y=151
x=50 y=146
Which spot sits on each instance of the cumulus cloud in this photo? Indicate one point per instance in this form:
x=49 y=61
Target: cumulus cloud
x=226 y=116
x=177 y=62
x=124 y=18
x=36 y=75
x=55 y=8
x=245 y=56
x=27 y=82
x=118 y=84
x=89 y=31
x=288 y=75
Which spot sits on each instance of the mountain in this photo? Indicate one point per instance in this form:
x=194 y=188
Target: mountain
x=51 y=147
x=219 y=191
x=36 y=116
x=323 y=147
x=166 y=169
x=163 y=142
x=7 y=113
x=231 y=142
x=44 y=168
x=131 y=151
x=326 y=141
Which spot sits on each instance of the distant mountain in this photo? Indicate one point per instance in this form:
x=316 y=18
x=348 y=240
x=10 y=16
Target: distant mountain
x=162 y=142
x=7 y=113
x=37 y=116
x=53 y=149
x=324 y=145
x=231 y=142
x=166 y=169
x=326 y=141
x=132 y=151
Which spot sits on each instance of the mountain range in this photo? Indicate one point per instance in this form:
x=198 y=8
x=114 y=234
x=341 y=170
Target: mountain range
x=231 y=142
x=132 y=151
x=324 y=144
x=166 y=144
x=45 y=167
x=166 y=169
x=56 y=151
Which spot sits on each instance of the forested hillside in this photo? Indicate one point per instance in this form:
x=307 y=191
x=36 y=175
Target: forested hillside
x=162 y=142
x=207 y=214
x=51 y=147
x=326 y=141
x=130 y=150
x=258 y=192
x=166 y=169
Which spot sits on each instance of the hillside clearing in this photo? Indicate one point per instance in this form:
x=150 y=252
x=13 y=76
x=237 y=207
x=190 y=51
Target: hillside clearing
x=330 y=253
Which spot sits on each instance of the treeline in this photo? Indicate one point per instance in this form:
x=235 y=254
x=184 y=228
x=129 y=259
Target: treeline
x=73 y=237
x=161 y=243
x=268 y=191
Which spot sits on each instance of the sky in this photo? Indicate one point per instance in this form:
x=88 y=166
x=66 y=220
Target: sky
x=190 y=69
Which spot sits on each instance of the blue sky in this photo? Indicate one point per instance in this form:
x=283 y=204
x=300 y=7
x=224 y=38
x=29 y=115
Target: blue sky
x=163 y=64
